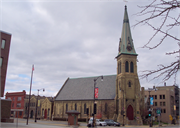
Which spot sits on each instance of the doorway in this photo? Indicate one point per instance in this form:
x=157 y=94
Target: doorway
x=31 y=116
x=130 y=112
x=45 y=114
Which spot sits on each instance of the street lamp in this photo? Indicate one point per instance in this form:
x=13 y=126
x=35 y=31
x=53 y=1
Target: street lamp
x=37 y=102
x=94 y=96
x=122 y=112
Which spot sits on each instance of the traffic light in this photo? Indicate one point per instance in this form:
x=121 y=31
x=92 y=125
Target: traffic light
x=149 y=113
x=94 y=108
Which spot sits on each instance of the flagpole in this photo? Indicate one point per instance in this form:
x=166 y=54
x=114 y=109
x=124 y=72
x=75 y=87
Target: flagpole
x=30 y=93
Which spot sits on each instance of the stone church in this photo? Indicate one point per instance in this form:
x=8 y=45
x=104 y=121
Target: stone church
x=120 y=96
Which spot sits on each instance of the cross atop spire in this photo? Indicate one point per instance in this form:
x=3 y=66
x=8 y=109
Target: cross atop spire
x=126 y=45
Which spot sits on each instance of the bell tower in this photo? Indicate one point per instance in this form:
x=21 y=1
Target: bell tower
x=128 y=94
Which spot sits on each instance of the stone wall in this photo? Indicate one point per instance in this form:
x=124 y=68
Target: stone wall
x=60 y=108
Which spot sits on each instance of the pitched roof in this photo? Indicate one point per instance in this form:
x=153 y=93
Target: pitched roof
x=126 y=38
x=82 y=88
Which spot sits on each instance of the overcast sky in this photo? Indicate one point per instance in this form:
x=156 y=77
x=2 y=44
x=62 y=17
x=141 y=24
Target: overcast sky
x=72 y=38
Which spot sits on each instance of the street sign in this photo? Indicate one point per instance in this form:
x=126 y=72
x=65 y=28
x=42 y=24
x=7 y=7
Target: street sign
x=151 y=100
x=158 y=111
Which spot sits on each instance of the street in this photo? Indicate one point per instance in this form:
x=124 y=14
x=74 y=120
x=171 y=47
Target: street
x=21 y=123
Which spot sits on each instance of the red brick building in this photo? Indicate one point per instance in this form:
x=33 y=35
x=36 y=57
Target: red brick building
x=4 y=104
x=17 y=103
x=5 y=46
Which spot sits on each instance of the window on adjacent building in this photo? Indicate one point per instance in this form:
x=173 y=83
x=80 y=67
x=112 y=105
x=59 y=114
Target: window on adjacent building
x=18 y=105
x=155 y=103
x=164 y=103
x=163 y=96
x=1 y=61
x=160 y=96
x=127 y=66
x=155 y=97
x=3 y=44
x=164 y=110
x=38 y=112
x=85 y=108
x=160 y=103
x=19 y=99
x=12 y=104
x=20 y=113
x=13 y=98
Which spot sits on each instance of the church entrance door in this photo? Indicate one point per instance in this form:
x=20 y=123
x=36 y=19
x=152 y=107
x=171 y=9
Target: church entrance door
x=130 y=112
x=45 y=113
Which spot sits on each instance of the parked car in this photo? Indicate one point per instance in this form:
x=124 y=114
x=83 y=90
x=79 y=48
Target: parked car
x=109 y=122
x=112 y=122
x=117 y=124
x=98 y=122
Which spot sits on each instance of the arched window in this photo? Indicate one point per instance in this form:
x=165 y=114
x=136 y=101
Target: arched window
x=85 y=108
x=127 y=66
x=66 y=107
x=120 y=67
x=129 y=83
x=75 y=106
x=132 y=67
x=42 y=112
x=106 y=108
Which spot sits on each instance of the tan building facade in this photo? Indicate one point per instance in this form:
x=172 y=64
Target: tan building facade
x=163 y=98
x=32 y=107
x=47 y=108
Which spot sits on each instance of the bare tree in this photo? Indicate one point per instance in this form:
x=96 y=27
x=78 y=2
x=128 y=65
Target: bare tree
x=166 y=11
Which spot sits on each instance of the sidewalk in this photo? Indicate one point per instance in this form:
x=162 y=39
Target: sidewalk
x=21 y=123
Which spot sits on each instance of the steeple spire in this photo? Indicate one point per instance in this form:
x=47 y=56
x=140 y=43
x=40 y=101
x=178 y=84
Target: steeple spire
x=126 y=45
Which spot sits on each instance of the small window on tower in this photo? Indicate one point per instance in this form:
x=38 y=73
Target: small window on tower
x=127 y=66
x=132 y=67
x=129 y=84
x=120 y=67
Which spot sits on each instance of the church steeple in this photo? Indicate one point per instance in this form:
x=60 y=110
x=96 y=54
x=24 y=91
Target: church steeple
x=126 y=45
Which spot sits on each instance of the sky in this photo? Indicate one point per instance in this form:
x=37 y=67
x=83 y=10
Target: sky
x=73 y=38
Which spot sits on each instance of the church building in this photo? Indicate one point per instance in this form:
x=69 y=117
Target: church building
x=120 y=96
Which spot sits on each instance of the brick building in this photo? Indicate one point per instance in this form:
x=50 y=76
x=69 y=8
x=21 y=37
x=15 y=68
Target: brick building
x=165 y=98
x=17 y=103
x=5 y=104
x=5 y=47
